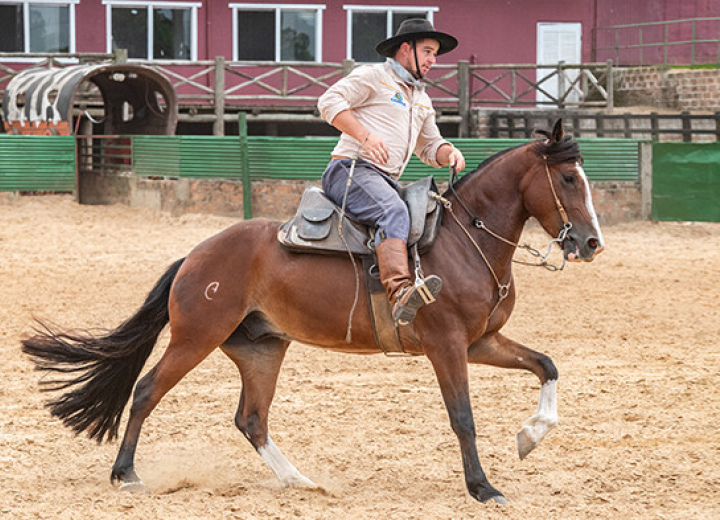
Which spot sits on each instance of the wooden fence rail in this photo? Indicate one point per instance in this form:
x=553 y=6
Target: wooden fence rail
x=683 y=127
x=215 y=90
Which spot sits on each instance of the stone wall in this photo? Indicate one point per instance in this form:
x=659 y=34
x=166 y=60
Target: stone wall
x=679 y=89
x=643 y=86
x=270 y=198
x=615 y=202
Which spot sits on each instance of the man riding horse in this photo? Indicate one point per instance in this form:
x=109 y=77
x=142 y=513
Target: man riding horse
x=385 y=115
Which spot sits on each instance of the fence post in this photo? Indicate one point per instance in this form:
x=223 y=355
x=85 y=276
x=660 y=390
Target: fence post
x=120 y=56
x=654 y=126
x=463 y=84
x=686 y=127
x=561 y=84
x=347 y=66
x=219 y=98
x=610 y=84
x=245 y=165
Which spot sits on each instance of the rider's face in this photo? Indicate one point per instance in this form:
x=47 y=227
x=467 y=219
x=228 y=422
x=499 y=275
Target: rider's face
x=426 y=55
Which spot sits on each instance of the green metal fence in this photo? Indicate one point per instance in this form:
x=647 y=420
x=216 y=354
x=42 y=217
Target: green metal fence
x=37 y=163
x=305 y=158
x=686 y=182
x=29 y=163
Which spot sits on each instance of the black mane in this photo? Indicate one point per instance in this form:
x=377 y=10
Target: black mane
x=480 y=167
x=556 y=152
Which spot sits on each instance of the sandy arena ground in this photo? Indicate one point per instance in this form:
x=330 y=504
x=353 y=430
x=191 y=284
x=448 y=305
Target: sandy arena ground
x=635 y=336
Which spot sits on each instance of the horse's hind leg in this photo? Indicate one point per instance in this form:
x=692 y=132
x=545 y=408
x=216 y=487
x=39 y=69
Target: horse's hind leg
x=179 y=358
x=497 y=350
x=259 y=364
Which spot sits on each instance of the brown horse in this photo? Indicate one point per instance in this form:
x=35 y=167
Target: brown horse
x=242 y=291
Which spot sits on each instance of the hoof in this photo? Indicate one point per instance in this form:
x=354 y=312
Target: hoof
x=488 y=494
x=498 y=499
x=525 y=443
x=135 y=487
x=300 y=481
x=128 y=482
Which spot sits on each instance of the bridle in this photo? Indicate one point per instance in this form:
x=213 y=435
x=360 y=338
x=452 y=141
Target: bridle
x=504 y=288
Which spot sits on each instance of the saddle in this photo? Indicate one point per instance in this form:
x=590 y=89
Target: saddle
x=315 y=228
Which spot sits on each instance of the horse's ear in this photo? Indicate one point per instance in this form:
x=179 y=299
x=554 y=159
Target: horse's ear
x=557 y=131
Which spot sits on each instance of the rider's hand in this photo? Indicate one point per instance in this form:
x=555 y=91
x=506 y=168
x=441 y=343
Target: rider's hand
x=375 y=149
x=456 y=160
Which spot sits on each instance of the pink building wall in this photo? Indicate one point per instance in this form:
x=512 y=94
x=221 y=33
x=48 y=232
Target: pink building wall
x=621 y=12
x=493 y=31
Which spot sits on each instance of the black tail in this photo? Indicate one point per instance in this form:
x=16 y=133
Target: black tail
x=104 y=367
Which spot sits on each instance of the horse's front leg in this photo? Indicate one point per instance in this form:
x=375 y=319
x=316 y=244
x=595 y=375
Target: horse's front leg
x=450 y=366
x=497 y=350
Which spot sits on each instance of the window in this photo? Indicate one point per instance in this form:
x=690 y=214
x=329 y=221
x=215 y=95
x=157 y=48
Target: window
x=153 y=30
x=41 y=26
x=286 y=32
x=367 y=25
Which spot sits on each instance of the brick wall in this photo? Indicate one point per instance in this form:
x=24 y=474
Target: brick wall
x=617 y=202
x=645 y=86
x=693 y=90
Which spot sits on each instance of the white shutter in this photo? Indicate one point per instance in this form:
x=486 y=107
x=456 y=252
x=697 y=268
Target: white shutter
x=558 y=42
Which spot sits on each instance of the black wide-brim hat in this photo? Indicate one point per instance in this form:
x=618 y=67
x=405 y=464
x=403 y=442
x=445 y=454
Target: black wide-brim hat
x=415 y=29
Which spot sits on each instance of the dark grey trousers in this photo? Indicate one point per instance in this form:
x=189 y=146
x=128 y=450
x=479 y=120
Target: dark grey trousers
x=372 y=198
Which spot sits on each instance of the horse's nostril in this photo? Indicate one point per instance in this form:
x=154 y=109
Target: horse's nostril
x=593 y=243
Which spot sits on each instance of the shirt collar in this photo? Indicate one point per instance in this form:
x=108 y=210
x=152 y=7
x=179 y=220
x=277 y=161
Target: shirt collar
x=405 y=74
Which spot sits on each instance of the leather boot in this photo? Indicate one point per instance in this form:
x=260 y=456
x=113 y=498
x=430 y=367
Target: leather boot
x=405 y=297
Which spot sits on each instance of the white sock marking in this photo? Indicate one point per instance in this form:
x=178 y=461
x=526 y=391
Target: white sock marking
x=286 y=473
x=546 y=416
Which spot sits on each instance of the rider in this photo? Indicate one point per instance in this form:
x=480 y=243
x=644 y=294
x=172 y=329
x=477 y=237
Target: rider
x=385 y=115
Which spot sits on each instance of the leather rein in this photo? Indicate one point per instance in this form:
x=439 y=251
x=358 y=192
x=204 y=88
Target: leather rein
x=504 y=288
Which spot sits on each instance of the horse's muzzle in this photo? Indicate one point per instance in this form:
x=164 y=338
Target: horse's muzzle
x=581 y=249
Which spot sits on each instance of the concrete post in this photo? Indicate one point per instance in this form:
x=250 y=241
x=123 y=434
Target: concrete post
x=646 y=180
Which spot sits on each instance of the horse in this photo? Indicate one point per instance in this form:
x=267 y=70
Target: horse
x=241 y=291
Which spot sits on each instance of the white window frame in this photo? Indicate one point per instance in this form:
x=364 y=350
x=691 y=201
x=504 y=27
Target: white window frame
x=278 y=9
x=389 y=10
x=150 y=6
x=26 y=25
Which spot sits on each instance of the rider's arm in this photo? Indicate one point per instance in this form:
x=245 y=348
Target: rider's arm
x=432 y=149
x=373 y=144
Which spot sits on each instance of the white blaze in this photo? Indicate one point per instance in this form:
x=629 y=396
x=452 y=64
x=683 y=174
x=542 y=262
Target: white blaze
x=589 y=205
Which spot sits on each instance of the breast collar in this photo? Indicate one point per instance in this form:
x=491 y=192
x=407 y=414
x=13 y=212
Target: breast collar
x=405 y=75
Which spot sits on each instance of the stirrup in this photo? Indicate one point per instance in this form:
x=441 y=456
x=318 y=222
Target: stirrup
x=422 y=293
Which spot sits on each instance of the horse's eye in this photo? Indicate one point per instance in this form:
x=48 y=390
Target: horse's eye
x=570 y=179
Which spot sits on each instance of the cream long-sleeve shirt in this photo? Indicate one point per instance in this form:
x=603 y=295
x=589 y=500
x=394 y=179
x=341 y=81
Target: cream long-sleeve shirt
x=387 y=106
